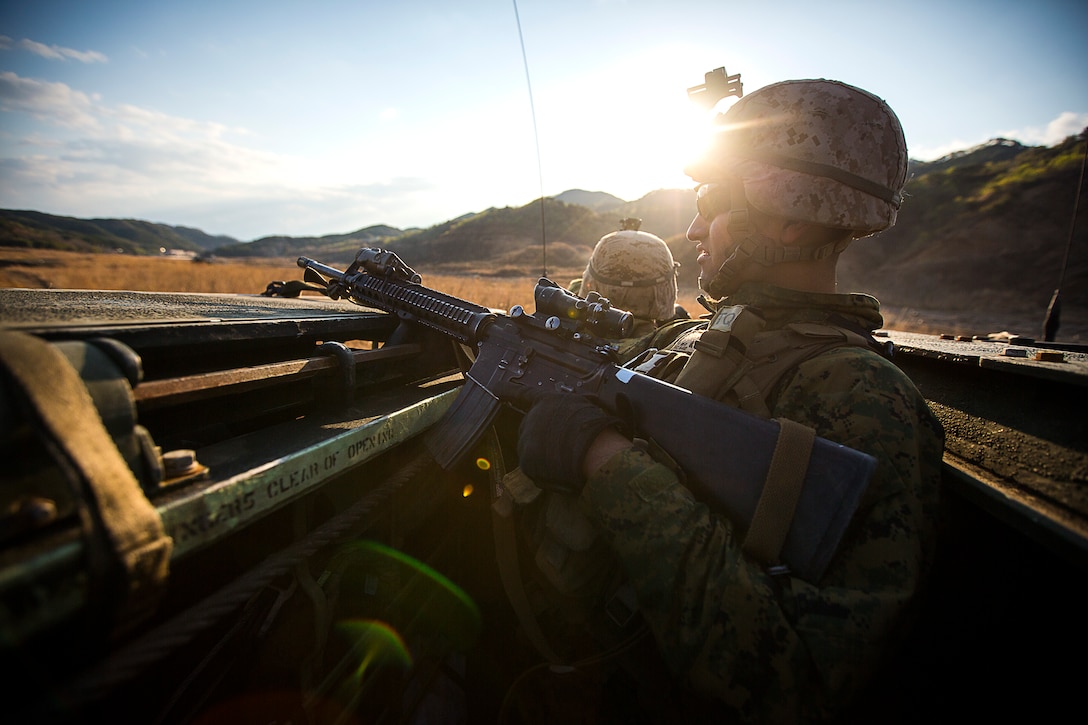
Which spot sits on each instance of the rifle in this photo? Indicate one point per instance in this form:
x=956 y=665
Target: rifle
x=564 y=347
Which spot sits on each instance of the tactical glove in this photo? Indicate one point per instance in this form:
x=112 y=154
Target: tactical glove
x=554 y=437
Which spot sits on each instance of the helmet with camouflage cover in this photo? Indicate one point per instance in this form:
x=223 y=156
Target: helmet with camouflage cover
x=815 y=151
x=818 y=151
x=636 y=272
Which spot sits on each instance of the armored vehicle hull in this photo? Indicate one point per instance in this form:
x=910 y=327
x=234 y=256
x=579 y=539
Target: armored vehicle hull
x=1002 y=614
x=319 y=567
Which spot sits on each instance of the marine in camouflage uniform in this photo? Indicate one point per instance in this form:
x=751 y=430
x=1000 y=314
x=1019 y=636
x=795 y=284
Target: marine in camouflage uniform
x=797 y=171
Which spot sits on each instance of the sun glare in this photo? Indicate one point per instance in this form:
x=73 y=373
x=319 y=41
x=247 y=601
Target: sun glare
x=634 y=131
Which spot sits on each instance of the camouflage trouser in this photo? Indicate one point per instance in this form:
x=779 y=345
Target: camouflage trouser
x=575 y=570
x=589 y=613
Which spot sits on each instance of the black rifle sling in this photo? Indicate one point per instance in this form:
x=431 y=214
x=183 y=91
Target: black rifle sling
x=506 y=548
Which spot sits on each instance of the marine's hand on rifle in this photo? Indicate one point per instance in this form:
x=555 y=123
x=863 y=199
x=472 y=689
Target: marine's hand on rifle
x=555 y=436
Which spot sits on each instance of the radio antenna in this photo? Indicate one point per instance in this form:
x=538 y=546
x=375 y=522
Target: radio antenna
x=536 y=138
x=1054 y=310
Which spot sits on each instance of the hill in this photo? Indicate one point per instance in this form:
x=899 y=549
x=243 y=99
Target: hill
x=36 y=230
x=983 y=229
x=33 y=229
x=340 y=244
x=595 y=200
x=993 y=151
x=508 y=240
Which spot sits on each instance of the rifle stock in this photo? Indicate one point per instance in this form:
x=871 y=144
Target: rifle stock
x=725 y=453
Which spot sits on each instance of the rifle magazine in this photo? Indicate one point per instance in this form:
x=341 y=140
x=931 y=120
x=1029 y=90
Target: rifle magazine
x=465 y=421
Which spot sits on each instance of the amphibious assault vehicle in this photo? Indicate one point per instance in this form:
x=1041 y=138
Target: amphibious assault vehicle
x=302 y=558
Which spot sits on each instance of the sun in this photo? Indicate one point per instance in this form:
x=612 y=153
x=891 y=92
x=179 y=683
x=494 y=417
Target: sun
x=627 y=128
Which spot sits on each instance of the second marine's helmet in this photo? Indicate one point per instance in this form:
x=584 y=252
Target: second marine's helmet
x=636 y=272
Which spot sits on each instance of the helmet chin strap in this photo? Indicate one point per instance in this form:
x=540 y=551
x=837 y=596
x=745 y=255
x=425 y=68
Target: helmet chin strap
x=749 y=245
x=755 y=247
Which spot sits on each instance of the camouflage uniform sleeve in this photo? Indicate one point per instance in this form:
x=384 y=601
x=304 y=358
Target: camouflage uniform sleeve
x=778 y=648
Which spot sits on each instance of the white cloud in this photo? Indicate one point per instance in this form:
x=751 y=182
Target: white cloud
x=87 y=158
x=84 y=148
x=46 y=101
x=56 y=52
x=1065 y=125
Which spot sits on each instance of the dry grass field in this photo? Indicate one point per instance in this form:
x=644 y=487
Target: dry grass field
x=42 y=269
x=39 y=269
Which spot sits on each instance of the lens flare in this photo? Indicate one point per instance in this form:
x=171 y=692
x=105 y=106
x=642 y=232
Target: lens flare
x=423 y=602
x=377 y=644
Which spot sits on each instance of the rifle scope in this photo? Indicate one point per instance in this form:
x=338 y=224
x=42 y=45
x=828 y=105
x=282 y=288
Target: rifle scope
x=593 y=314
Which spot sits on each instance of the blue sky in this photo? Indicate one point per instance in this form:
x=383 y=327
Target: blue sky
x=322 y=117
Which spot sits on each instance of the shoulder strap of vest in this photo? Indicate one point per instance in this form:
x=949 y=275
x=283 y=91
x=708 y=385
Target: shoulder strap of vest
x=737 y=361
x=674 y=329
x=721 y=353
